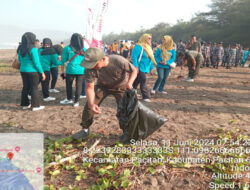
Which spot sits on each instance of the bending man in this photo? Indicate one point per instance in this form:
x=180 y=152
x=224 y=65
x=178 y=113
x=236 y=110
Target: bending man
x=105 y=75
x=193 y=60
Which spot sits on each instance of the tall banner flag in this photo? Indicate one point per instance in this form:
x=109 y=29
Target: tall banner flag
x=94 y=29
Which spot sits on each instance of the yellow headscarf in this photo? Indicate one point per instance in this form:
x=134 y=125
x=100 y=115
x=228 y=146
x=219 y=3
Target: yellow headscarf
x=143 y=42
x=169 y=45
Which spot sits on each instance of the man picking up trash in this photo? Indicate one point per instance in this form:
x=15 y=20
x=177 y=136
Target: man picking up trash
x=193 y=60
x=104 y=75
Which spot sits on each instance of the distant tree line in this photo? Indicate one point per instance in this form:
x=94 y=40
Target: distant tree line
x=227 y=21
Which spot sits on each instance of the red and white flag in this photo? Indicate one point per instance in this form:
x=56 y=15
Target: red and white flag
x=94 y=29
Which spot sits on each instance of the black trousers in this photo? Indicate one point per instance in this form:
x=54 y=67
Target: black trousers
x=69 y=83
x=142 y=80
x=45 y=84
x=54 y=74
x=30 y=84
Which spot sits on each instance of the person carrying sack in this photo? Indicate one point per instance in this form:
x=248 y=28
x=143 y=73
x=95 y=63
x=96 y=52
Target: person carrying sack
x=104 y=76
x=137 y=120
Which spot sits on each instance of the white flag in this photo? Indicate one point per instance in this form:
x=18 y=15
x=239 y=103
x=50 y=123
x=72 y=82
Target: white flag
x=94 y=29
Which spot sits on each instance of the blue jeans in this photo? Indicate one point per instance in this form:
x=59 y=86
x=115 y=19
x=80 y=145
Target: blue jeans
x=162 y=78
x=83 y=88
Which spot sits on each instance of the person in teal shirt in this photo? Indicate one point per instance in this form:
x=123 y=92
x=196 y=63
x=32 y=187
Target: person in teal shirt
x=165 y=55
x=54 y=69
x=245 y=57
x=72 y=57
x=143 y=59
x=48 y=57
x=31 y=71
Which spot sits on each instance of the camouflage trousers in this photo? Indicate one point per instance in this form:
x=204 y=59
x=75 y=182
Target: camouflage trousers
x=218 y=62
x=238 y=62
x=213 y=60
x=193 y=73
x=100 y=94
x=206 y=61
x=231 y=62
x=225 y=61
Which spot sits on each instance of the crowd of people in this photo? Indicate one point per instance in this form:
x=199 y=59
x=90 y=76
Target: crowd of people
x=144 y=55
x=113 y=69
x=210 y=54
x=216 y=55
x=39 y=63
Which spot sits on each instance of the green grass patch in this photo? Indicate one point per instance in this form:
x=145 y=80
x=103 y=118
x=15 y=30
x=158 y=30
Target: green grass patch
x=123 y=162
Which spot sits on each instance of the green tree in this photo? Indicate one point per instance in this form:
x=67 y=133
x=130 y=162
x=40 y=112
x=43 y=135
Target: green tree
x=227 y=21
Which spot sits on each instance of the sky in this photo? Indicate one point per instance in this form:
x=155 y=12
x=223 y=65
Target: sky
x=122 y=15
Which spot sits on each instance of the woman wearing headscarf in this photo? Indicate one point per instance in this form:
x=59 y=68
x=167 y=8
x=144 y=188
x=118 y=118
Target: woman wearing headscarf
x=143 y=59
x=165 y=55
x=72 y=57
x=54 y=69
x=31 y=71
x=48 y=57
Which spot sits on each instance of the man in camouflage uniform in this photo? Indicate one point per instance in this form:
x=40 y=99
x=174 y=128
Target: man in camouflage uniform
x=212 y=54
x=219 y=54
x=203 y=49
x=194 y=45
x=193 y=60
x=206 y=56
x=226 y=56
x=181 y=48
x=241 y=55
x=237 y=59
x=232 y=57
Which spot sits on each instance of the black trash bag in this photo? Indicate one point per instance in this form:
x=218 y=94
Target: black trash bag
x=135 y=119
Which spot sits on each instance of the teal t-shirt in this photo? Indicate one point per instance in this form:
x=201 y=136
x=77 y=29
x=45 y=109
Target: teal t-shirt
x=48 y=61
x=171 y=58
x=30 y=65
x=246 y=54
x=56 y=63
x=145 y=64
x=74 y=67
